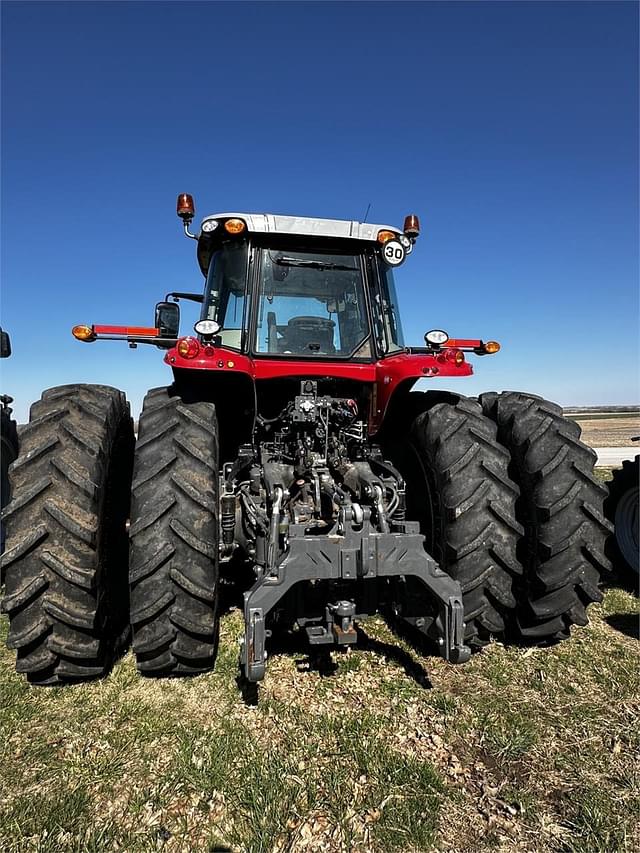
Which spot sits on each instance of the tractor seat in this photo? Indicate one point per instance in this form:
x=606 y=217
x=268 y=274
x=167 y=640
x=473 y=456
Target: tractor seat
x=308 y=334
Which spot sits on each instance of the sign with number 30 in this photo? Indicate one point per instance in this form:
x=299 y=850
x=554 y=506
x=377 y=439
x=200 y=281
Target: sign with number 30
x=393 y=253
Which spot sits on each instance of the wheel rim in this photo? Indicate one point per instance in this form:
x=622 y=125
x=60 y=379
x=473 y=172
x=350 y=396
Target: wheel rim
x=626 y=524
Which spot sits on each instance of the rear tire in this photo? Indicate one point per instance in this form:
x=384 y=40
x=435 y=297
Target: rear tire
x=459 y=489
x=66 y=557
x=621 y=508
x=174 y=537
x=561 y=510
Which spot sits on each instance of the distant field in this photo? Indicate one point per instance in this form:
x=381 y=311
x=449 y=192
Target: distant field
x=601 y=429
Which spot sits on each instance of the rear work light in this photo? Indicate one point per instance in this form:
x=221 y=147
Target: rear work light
x=234 y=226
x=207 y=327
x=436 y=337
x=188 y=347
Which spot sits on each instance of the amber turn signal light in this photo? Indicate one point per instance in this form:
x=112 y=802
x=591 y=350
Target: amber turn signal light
x=234 y=226
x=491 y=346
x=185 y=207
x=83 y=333
x=385 y=236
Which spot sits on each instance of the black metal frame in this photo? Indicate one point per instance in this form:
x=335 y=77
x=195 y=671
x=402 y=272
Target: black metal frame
x=360 y=553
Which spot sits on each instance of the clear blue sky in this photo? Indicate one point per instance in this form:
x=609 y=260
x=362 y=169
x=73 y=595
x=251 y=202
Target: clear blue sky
x=510 y=128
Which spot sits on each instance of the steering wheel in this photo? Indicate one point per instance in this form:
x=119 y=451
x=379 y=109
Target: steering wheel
x=310 y=333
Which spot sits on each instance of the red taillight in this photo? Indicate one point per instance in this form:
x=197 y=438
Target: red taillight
x=185 y=207
x=454 y=355
x=188 y=347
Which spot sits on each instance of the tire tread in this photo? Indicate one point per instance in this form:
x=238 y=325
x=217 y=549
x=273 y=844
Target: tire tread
x=560 y=509
x=174 y=537
x=65 y=557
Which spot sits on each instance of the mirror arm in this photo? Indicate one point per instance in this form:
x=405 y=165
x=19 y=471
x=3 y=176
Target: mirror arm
x=192 y=297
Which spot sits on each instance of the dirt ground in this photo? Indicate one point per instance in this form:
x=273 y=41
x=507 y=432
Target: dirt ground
x=613 y=431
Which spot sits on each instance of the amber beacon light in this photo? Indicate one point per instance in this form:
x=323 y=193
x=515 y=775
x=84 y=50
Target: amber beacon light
x=185 y=207
x=411 y=226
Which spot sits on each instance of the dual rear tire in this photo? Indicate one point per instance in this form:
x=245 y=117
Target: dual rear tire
x=560 y=508
x=510 y=507
x=68 y=596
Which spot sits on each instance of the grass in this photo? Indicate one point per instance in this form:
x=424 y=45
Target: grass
x=520 y=749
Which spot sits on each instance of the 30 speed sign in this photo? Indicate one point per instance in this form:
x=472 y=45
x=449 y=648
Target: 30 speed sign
x=393 y=253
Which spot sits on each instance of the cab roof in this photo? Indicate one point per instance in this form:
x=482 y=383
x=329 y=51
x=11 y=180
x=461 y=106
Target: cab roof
x=276 y=223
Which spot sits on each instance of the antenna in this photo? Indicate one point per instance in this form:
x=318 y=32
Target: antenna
x=367 y=213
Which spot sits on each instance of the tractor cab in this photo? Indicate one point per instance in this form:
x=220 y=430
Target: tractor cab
x=292 y=287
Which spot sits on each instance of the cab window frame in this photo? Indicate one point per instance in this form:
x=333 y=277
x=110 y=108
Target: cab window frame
x=292 y=243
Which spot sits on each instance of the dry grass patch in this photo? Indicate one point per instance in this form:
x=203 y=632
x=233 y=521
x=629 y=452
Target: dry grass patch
x=518 y=750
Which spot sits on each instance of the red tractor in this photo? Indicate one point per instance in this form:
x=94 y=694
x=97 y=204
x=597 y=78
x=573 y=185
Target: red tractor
x=291 y=449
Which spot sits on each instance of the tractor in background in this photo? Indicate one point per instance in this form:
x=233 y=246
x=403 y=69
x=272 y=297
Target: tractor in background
x=8 y=439
x=621 y=508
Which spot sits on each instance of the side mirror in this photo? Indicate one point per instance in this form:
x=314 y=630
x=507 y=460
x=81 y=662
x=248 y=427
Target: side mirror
x=167 y=319
x=5 y=344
